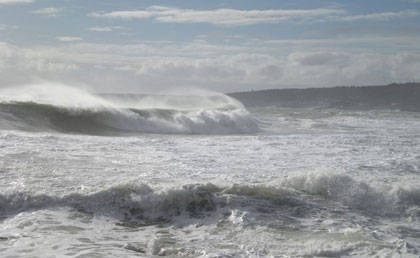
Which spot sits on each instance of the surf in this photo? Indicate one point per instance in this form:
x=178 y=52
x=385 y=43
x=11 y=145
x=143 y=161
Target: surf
x=62 y=108
x=307 y=192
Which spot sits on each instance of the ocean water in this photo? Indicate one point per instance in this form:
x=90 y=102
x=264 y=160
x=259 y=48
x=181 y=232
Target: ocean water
x=199 y=175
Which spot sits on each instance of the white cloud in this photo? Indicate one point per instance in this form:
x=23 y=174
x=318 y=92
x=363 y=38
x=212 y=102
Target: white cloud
x=15 y=1
x=105 y=28
x=124 y=14
x=49 y=11
x=226 y=17
x=234 y=17
x=382 y=16
x=21 y=65
x=8 y=27
x=344 y=68
x=406 y=42
x=68 y=39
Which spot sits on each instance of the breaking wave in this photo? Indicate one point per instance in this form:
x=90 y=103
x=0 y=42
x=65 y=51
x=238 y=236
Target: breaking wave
x=61 y=108
x=298 y=196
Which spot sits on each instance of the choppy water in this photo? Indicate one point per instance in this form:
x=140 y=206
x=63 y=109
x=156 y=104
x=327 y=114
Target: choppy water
x=209 y=179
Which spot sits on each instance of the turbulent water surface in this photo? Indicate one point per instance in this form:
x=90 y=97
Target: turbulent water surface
x=87 y=175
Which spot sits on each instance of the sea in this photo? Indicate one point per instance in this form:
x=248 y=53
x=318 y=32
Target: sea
x=198 y=174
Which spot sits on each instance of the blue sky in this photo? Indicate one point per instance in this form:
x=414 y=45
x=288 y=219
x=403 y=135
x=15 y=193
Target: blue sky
x=143 y=46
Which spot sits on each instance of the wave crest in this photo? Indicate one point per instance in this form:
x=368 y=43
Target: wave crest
x=298 y=196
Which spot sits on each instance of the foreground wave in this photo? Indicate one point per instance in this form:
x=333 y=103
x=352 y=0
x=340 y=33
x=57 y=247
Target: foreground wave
x=296 y=197
x=64 y=109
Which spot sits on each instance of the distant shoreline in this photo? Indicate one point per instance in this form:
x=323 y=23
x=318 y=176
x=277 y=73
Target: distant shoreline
x=405 y=97
x=410 y=84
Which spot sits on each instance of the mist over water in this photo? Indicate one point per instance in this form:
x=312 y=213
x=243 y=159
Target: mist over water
x=201 y=175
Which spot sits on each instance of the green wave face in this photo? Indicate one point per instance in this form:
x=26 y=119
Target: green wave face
x=33 y=116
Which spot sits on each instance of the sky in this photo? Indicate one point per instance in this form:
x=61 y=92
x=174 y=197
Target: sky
x=238 y=45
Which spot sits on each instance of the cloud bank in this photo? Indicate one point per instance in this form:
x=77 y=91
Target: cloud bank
x=224 y=17
x=159 y=66
x=234 y=17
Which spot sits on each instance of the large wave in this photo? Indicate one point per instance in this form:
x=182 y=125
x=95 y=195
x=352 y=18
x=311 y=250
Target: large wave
x=65 y=109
